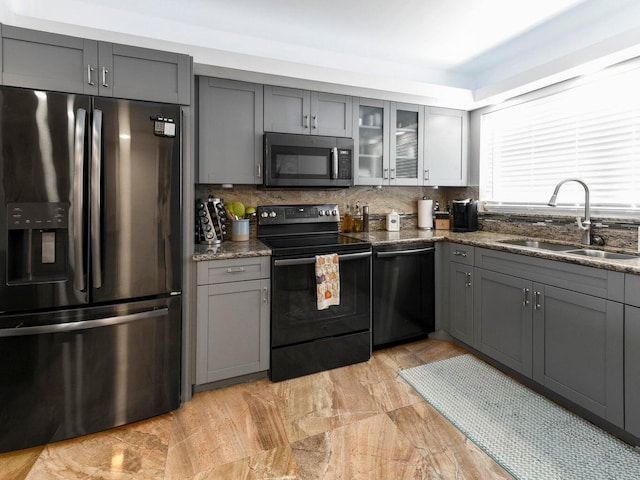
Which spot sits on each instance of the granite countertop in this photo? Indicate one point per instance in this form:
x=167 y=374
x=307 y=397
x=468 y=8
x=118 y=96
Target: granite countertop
x=254 y=247
x=229 y=249
x=492 y=241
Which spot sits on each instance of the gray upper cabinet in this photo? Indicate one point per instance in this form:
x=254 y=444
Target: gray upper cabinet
x=289 y=110
x=230 y=131
x=388 y=142
x=371 y=122
x=49 y=61
x=406 y=144
x=143 y=74
x=445 y=147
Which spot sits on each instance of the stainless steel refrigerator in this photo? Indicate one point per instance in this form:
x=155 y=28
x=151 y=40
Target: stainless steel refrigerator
x=90 y=304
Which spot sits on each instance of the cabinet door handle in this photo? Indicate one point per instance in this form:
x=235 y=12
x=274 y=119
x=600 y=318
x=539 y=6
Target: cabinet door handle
x=90 y=69
x=104 y=76
x=426 y=174
x=235 y=269
x=460 y=253
x=305 y=123
x=536 y=300
x=525 y=297
x=265 y=295
x=468 y=282
x=315 y=121
x=385 y=174
x=258 y=170
x=393 y=173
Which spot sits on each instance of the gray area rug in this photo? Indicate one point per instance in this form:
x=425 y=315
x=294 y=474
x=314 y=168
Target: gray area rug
x=529 y=435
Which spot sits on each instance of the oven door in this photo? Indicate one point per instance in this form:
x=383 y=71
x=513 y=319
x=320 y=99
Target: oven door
x=295 y=317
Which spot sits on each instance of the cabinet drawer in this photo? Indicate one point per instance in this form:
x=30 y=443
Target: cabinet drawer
x=632 y=289
x=236 y=270
x=461 y=253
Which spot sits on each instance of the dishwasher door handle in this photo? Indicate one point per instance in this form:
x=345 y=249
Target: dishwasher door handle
x=307 y=260
x=399 y=253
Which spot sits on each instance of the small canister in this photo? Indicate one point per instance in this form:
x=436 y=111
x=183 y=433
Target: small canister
x=393 y=221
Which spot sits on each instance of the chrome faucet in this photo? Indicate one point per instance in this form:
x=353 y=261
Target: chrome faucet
x=585 y=226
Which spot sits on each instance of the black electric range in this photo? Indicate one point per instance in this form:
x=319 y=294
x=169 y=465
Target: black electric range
x=305 y=339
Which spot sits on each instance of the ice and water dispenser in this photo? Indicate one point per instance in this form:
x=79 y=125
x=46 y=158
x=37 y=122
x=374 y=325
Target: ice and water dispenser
x=37 y=243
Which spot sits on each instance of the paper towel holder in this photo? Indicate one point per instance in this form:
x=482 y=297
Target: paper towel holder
x=425 y=214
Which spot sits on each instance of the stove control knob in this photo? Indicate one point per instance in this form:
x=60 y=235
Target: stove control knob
x=264 y=214
x=321 y=213
x=334 y=213
x=272 y=214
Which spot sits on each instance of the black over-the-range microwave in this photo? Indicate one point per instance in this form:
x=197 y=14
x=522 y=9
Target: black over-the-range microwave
x=307 y=161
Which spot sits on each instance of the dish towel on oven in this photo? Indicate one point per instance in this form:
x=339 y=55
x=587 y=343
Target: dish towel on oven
x=327 y=280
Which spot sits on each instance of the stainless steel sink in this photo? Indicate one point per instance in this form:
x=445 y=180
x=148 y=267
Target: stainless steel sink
x=601 y=254
x=556 y=247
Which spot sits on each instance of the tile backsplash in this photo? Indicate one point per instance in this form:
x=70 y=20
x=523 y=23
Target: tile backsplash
x=617 y=234
x=381 y=201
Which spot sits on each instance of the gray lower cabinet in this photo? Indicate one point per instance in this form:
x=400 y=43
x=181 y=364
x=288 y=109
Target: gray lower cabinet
x=562 y=324
x=503 y=319
x=632 y=354
x=230 y=126
x=290 y=110
x=233 y=302
x=461 y=285
x=48 y=61
x=632 y=370
x=578 y=349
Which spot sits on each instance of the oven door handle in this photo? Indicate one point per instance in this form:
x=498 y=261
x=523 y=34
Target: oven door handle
x=309 y=260
x=399 y=253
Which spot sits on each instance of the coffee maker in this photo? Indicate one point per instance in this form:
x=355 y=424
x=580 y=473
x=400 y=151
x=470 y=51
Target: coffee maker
x=465 y=215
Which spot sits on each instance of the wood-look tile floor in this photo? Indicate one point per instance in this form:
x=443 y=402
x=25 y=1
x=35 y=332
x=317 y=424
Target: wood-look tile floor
x=352 y=423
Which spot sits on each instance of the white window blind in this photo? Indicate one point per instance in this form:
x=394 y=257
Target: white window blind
x=590 y=132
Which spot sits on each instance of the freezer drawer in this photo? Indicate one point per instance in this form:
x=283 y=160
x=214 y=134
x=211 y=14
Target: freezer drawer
x=87 y=370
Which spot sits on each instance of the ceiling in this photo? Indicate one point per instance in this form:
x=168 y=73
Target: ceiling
x=461 y=53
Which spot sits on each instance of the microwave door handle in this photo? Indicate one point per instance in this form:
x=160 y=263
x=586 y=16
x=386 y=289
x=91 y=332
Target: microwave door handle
x=78 y=199
x=334 y=163
x=96 y=213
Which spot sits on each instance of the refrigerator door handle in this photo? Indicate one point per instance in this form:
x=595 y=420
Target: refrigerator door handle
x=82 y=325
x=78 y=199
x=96 y=207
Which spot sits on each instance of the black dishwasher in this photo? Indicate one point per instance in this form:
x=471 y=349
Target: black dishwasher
x=403 y=292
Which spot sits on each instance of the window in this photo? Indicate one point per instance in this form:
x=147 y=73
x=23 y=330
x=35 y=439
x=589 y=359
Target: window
x=589 y=131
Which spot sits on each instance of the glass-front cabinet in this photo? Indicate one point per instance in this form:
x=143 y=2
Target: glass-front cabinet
x=371 y=118
x=388 y=147
x=406 y=144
